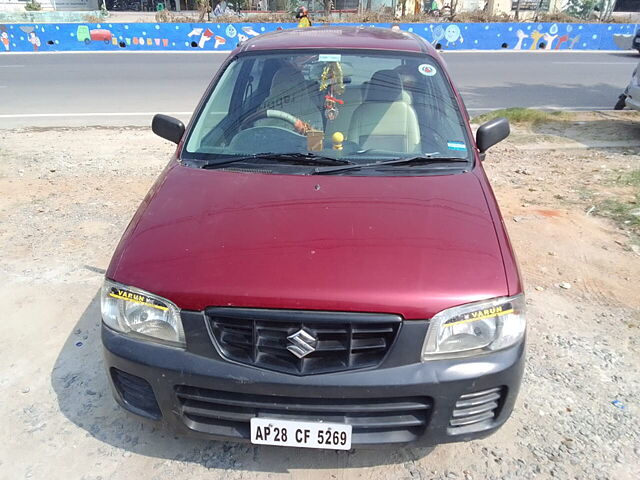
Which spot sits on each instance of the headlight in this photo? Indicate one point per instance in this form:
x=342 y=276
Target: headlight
x=131 y=310
x=470 y=329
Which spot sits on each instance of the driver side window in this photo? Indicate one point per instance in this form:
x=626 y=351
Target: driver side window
x=217 y=107
x=254 y=84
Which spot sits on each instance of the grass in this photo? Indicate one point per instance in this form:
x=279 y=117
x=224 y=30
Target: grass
x=622 y=205
x=621 y=211
x=519 y=115
x=631 y=179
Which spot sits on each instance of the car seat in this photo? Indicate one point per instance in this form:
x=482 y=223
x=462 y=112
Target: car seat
x=352 y=97
x=291 y=93
x=385 y=121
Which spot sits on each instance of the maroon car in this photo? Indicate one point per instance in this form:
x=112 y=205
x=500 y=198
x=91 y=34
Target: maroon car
x=322 y=263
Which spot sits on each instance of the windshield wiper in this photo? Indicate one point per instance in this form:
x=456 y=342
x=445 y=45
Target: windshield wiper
x=421 y=160
x=291 y=158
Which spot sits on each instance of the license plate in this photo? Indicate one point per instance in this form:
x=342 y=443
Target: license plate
x=287 y=433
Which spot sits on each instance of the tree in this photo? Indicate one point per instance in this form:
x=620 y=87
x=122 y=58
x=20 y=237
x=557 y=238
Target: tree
x=454 y=9
x=581 y=8
x=538 y=8
x=403 y=7
x=606 y=10
x=292 y=6
x=204 y=9
x=32 y=6
x=327 y=5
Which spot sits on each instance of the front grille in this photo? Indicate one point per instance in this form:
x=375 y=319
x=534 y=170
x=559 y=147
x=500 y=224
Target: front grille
x=345 y=341
x=374 y=420
x=478 y=409
x=136 y=393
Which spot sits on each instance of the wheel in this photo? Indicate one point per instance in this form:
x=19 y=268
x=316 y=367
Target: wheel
x=297 y=125
x=87 y=41
x=621 y=103
x=107 y=41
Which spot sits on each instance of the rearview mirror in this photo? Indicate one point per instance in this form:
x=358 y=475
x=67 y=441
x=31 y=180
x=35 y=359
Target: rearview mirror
x=492 y=132
x=167 y=127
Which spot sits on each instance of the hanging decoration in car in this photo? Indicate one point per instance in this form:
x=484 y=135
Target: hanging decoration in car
x=330 y=109
x=332 y=81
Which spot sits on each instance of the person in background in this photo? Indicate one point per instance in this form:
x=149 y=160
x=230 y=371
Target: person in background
x=302 y=14
x=221 y=8
x=431 y=6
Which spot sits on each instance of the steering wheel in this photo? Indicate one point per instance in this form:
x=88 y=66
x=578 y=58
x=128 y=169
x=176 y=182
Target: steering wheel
x=300 y=126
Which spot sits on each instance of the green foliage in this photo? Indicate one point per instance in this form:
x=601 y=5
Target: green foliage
x=292 y=5
x=240 y=4
x=634 y=178
x=625 y=213
x=581 y=8
x=630 y=179
x=32 y=6
x=624 y=208
x=522 y=116
x=606 y=10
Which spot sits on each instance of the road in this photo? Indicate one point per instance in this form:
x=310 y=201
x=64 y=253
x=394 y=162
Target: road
x=76 y=89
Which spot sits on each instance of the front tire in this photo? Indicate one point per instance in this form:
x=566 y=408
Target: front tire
x=621 y=103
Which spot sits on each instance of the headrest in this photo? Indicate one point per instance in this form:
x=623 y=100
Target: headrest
x=286 y=75
x=407 y=75
x=385 y=86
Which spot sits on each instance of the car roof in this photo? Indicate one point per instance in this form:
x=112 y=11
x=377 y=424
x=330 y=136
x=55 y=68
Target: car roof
x=339 y=37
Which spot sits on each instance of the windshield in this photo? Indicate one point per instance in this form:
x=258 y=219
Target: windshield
x=359 y=106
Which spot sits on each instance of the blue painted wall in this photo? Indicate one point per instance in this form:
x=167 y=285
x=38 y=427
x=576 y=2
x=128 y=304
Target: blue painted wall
x=223 y=36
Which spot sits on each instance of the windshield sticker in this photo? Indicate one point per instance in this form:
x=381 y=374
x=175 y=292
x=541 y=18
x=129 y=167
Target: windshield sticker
x=329 y=57
x=483 y=314
x=459 y=146
x=136 y=298
x=427 y=70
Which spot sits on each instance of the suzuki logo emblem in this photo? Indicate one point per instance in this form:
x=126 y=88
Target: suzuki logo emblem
x=302 y=343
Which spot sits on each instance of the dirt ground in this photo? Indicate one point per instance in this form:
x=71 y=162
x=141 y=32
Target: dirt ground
x=67 y=195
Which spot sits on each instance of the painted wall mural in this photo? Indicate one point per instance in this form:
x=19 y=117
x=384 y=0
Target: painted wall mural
x=526 y=36
x=225 y=36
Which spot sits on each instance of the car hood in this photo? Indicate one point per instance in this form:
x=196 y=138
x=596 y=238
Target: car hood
x=406 y=245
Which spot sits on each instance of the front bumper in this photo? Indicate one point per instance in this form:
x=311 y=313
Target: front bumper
x=401 y=401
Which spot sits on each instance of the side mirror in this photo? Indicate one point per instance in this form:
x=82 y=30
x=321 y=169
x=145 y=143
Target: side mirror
x=167 y=127
x=492 y=132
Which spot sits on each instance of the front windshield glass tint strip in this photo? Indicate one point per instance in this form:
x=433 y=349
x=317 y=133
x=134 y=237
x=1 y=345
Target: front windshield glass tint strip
x=359 y=105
